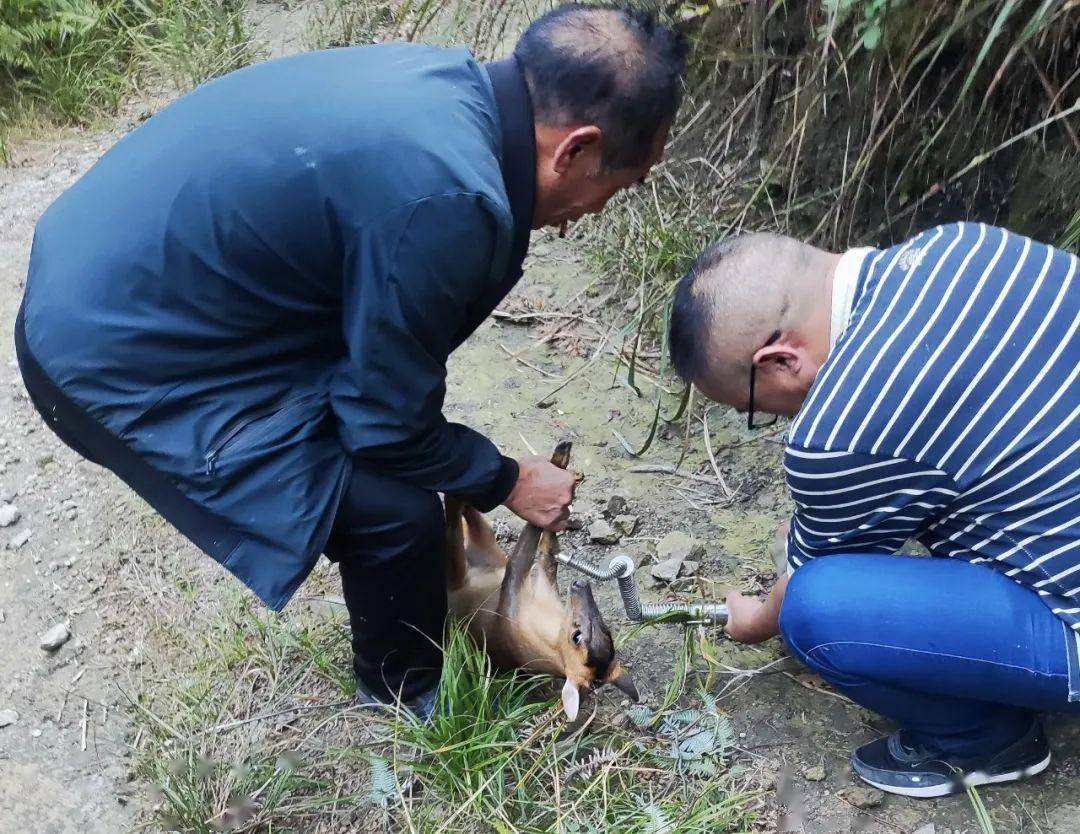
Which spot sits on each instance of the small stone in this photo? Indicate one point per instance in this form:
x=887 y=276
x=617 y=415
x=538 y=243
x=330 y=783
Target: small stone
x=667 y=571
x=863 y=798
x=815 y=773
x=55 y=637
x=9 y=515
x=45 y=459
x=19 y=539
x=36 y=732
x=1 y=616
x=929 y=828
x=600 y=532
x=615 y=506
x=8 y=717
x=689 y=568
x=678 y=545
x=626 y=524
x=575 y=522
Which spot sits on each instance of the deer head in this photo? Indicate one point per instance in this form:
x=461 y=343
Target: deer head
x=587 y=650
x=526 y=623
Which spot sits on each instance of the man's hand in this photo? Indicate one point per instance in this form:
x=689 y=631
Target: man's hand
x=543 y=493
x=751 y=620
x=745 y=615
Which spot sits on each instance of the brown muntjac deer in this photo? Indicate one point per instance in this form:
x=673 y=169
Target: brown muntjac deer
x=512 y=604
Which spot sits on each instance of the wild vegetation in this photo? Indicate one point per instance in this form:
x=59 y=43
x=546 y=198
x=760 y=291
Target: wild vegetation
x=858 y=122
x=67 y=61
x=844 y=121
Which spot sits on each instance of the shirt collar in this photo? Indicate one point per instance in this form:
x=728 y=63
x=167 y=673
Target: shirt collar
x=518 y=163
x=845 y=281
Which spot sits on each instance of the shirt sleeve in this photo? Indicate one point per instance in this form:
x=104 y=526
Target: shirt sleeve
x=848 y=502
x=407 y=297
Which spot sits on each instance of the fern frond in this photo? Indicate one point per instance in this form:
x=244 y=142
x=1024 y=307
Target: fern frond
x=657 y=821
x=383 y=786
x=641 y=716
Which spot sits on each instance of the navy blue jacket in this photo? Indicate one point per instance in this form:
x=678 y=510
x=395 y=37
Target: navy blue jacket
x=259 y=288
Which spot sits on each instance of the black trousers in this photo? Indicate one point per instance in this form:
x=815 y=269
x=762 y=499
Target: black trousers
x=388 y=541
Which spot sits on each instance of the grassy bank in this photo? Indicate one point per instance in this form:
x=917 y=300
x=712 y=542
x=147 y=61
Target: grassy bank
x=69 y=61
x=851 y=122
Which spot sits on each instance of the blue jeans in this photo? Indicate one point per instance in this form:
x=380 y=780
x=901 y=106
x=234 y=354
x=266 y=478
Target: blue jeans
x=958 y=655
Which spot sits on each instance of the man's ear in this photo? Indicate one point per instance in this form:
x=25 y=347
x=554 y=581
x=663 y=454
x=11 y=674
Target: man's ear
x=571 y=699
x=580 y=147
x=781 y=357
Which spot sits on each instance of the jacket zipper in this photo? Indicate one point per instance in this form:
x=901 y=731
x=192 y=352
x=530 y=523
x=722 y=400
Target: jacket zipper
x=219 y=447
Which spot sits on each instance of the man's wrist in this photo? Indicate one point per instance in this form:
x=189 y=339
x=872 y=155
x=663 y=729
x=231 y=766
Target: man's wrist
x=500 y=488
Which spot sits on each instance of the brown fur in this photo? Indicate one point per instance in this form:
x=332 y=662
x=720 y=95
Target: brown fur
x=513 y=607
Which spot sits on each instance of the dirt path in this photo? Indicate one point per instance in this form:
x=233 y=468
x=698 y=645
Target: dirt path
x=63 y=761
x=85 y=546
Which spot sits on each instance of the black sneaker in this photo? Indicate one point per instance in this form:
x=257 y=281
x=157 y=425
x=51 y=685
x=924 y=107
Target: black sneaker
x=422 y=705
x=893 y=766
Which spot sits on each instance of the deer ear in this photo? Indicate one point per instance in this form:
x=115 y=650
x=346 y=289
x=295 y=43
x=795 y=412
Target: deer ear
x=621 y=680
x=571 y=699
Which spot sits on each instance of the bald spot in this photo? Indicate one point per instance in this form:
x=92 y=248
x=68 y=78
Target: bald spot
x=598 y=32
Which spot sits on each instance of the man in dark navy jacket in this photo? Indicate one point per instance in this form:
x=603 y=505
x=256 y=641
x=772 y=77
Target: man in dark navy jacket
x=245 y=308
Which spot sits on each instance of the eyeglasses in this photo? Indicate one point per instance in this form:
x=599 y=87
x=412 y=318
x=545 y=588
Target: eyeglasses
x=753 y=375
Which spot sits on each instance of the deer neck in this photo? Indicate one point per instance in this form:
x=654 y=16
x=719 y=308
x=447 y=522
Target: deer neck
x=537 y=626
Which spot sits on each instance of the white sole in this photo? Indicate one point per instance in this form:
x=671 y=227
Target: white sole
x=971 y=780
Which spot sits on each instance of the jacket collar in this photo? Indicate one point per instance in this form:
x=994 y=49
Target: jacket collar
x=518 y=161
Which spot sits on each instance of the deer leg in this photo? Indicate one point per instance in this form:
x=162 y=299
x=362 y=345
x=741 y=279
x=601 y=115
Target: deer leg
x=483 y=549
x=546 y=552
x=532 y=542
x=517 y=569
x=548 y=547
x=561 y=456
x=456 y=566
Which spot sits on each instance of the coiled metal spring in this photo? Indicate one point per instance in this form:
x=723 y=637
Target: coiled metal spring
x=621 y=569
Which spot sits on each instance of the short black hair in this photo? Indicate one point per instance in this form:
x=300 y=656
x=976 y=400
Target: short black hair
x=692 y=312
x=626 y=79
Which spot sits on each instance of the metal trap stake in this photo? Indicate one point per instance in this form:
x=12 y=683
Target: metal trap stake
x=621 y=569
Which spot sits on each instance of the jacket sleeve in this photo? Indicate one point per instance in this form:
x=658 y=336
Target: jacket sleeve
x=409 y=288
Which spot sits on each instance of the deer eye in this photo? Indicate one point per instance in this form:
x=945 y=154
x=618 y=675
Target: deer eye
x=576 y=637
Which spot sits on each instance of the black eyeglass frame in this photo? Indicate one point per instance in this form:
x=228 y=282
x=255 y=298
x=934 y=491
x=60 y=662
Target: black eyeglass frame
x=753 y=376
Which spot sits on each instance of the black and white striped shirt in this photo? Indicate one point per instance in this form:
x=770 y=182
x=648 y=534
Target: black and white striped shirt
x=948 y=411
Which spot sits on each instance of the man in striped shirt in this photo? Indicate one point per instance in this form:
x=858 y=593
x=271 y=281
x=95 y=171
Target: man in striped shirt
x=934 y=392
